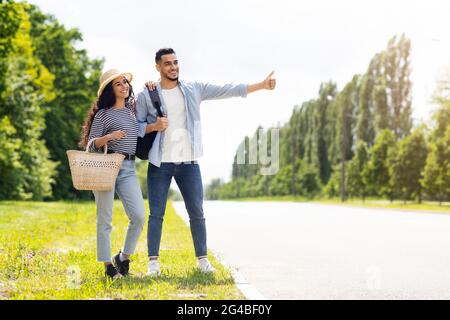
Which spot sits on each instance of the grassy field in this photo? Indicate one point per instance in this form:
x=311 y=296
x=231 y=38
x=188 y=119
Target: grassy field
x=369 y=203
x=48 y=251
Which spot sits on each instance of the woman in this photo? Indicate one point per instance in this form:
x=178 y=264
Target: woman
x=112 y=121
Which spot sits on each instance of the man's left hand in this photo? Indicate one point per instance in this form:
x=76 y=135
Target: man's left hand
x=270 y=83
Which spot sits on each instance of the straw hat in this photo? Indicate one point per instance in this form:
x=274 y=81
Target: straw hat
x=109 y=76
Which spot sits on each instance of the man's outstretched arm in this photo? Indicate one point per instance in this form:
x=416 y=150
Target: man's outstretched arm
x=209 y=91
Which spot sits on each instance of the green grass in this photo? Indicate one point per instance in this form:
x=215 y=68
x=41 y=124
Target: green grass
x=48 y=251
x=369 y=203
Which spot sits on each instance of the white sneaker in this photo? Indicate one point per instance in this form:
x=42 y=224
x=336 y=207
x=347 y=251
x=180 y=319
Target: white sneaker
x=205 y=267
x=153 y=268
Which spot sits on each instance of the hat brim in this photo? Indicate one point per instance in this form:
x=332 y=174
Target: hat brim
x=127 y=75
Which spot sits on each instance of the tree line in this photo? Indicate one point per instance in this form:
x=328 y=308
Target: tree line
x=47 y=84
x=357 y=142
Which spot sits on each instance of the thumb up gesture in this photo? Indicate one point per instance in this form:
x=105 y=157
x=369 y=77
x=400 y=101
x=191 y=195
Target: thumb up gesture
x=269 y=83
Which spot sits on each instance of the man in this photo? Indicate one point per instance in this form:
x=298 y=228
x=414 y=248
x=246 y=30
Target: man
x=177 y=147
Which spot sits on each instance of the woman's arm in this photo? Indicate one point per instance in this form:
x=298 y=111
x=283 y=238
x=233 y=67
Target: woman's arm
x=98 y=132
x=116 y=135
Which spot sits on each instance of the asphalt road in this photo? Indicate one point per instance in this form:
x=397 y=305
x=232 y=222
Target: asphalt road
x=312 y=251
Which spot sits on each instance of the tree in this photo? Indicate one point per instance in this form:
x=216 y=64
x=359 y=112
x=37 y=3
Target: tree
x=436 y=179
x=281 y=183
x=386 y=90
x=397 y=74
x=76 y=81
x=308 y=179
x=320 y=159
x=356 y=186
x=10 y=18
x=332 y=188
x=382 y=119
x=365 y=130
x=408 y=164
x=27 y=88
x=346 y=102
x=441 y=120
x=212 y=191
x=12 y=183
x=377 y=175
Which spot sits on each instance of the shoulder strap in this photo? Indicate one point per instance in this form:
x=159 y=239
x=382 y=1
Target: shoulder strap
x=156 y=101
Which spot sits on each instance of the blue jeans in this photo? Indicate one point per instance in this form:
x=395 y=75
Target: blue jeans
x=189 y=181
x=129 y=191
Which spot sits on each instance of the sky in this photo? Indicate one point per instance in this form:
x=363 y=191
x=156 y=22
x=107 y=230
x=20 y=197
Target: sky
x=242 y=41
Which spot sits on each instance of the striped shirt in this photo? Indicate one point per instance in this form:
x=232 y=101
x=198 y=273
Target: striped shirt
x=110 y=120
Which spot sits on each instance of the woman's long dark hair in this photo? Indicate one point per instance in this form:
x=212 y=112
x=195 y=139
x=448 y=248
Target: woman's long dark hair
x=106 y=100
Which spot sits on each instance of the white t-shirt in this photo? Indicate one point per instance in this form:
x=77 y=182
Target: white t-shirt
x=177 y=144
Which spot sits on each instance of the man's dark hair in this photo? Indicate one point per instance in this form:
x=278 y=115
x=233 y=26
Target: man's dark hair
x=162 y=52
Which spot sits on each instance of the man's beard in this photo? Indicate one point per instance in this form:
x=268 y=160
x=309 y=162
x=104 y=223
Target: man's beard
x=172 y=79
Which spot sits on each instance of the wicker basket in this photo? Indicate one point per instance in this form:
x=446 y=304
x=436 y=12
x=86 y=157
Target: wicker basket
x=94 y=171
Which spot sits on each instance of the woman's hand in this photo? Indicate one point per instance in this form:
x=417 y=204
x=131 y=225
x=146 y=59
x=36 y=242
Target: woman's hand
x=151 y=85
x=117 y=135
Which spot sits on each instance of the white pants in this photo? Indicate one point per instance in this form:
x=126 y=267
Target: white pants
x=129 y=191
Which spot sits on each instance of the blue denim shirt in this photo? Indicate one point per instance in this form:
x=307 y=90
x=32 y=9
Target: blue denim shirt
x=194 y=93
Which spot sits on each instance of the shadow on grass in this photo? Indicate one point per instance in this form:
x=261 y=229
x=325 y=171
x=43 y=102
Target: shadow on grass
x=191 y=280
